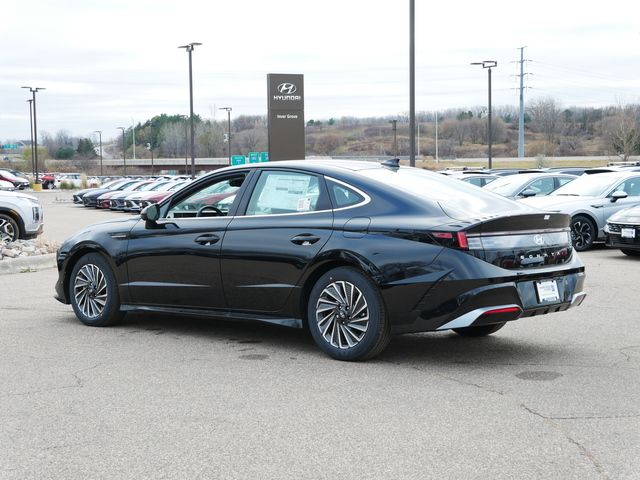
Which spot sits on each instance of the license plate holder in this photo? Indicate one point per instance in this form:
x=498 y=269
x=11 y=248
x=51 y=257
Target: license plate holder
x=628 y=232
x=547 y=291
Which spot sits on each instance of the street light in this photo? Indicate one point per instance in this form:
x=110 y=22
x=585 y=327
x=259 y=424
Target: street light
x=99 y=132
x=35 y=129
x=150 y=150
x=228 y=109
x=124 y=160
x=186 y=145
x=488 y=64
x=189 y=48
x=394 y=124
x=33 y=167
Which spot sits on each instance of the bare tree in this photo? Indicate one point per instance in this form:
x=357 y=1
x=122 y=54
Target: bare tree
x=545 y=115
x=621 y=132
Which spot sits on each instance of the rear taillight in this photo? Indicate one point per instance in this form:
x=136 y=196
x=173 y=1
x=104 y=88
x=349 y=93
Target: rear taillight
x=452 y=239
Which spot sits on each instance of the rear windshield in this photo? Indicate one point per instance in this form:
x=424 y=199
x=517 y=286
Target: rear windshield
x=458 y=199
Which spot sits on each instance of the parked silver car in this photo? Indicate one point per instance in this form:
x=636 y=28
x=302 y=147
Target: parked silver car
x=524 y=185
x=591 y=200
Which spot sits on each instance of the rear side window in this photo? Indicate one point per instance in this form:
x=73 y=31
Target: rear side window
x=281 y=192
x=343 y=196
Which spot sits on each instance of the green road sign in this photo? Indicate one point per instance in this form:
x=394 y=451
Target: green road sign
x=254 y=157
x=264 y=156
x=238 y=160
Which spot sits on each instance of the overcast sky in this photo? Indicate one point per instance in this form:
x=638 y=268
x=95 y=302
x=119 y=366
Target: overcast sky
x=106 y=63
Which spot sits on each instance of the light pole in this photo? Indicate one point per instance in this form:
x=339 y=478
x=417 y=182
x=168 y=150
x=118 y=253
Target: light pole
x=150 y=150
x=33 y=167
x=412 y=85
x=35 y=129
x=99 y=132
x=228 y=109
x=186 y=145
x=488 y=64
x=189 y=48
x=124 y=160
x=394 y=126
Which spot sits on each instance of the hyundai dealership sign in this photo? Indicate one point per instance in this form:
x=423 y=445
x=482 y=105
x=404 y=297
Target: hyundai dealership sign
x=286 y=116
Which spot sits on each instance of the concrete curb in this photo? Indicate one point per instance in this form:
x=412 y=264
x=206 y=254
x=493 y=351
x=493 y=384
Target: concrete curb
x=23 y=264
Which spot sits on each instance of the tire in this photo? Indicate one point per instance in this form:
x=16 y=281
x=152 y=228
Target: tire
x=93 y=292
x=583 y=233
x=480 y=330
x=332 y=301
x=49 y=185
x=9 y=231
x=631 y=253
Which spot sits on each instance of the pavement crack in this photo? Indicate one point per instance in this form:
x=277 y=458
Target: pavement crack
x=78 y=383
x=553 y=423
x=458 y=381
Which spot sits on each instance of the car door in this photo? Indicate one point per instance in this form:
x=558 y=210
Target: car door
x=631 y=186
x=175 y=261
x=278 y=231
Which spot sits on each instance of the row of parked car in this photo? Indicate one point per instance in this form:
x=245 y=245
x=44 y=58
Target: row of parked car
x=129 y=194
x=601 y=201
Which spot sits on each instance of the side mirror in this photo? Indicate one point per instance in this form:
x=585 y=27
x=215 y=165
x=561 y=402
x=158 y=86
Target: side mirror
x=528 y=193
x=617 y=195
x=150 y=213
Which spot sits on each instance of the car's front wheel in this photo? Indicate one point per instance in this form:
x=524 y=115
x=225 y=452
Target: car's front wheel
x=346 y=315
x=94 y=292
x=9 y=231
x=583 y=233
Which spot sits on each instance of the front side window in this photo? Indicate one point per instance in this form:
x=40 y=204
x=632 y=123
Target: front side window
x=542 y=186
x=211 y=200
x=284 y=192
x=631 y=186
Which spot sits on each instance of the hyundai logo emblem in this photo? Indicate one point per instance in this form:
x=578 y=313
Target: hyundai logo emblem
x=287 y=88
x=539 y=239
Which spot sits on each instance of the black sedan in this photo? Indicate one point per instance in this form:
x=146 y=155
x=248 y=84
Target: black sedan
x=354 y=251
x=623 y=231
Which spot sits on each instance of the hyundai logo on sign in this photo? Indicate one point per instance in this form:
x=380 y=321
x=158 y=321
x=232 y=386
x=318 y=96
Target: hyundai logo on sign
x=539 y=240
x=287 y=88
x=287 y=91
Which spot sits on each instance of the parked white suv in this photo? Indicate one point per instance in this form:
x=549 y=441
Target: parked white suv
x=21 y=216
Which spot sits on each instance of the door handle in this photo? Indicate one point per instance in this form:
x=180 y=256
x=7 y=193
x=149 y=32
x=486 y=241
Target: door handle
x=596 y=206
x=207 y=239
x=304 y=239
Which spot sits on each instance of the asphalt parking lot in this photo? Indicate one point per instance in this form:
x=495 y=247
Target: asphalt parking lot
x=167 y=397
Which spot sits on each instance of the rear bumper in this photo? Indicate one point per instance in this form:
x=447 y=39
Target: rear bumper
x=483 y=302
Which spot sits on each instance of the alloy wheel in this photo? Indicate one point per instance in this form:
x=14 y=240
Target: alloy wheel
x=342 y=314
x=7 y=231
x=90 y=290
x=581 y=233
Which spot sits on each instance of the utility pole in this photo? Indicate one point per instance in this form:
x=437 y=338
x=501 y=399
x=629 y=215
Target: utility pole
x=394 y=126
x=124 y=148
x=35 y=129
x=189 y=49
x=437 y=137
x=99 y=132
x=228 y=109
x=521 y=112
x=488 y=64
x=412 y=85
x=33 y=165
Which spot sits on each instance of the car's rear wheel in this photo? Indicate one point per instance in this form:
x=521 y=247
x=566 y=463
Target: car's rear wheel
x=346 y=315
x=94 y=292
x=583 y=233
x=9 y=231
x=631 y=253
x=480 y=330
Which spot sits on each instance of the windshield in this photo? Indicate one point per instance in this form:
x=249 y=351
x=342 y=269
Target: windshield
x=505 y=186
x=588 y=186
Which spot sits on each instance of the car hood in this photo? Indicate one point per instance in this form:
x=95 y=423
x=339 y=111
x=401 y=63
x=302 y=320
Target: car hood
x=10 y=195
x=558 y=202
x=90 y=232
